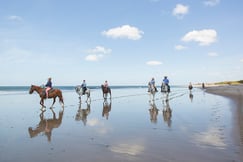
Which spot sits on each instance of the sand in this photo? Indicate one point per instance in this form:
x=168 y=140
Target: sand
x=129 y=128
x=234 y=92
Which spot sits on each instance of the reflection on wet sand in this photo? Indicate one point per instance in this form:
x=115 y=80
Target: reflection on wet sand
x=82 y=113
x=191 y=96
x=153 y=111
x=46 y=125
x=167 y=112
x=106 y=109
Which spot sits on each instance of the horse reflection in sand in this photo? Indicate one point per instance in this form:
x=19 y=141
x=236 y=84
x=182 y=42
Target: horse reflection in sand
x=82 y=113
x=106 y=109
x=167 y=112
x=46 y=126
x=153 y=111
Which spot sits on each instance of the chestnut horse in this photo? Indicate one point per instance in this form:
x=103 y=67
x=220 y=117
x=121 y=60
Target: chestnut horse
x=105 y=91
x=53 y=93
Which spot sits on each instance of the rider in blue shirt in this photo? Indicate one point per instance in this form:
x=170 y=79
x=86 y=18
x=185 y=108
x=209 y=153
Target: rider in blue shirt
x=166 y=80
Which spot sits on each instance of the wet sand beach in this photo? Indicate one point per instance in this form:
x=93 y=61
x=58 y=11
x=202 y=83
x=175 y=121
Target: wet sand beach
x=188 y=127
x=235 y=93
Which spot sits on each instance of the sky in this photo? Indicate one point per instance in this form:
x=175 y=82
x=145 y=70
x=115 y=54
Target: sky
x=126 y=42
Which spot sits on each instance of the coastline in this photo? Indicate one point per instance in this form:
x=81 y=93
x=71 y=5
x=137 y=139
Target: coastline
x=235 y=93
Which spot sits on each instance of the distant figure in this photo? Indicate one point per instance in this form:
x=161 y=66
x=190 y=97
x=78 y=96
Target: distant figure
x=203 y=85
x=190 y=86
x=151 y=85
x=105 y=90
x=48 y=86
x=165 y=87
x=84 y=87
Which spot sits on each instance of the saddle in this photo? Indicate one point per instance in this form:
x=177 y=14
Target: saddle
x=84 y=90
x=44 y=91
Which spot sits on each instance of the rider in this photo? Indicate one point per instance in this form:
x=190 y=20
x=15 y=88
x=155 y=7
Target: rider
x=166 y=82
x=152 y=84
x=106 y=84
x=48 y=86
x=84 y=88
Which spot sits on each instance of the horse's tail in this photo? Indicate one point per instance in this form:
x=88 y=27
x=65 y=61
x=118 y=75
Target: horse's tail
x=60 y=97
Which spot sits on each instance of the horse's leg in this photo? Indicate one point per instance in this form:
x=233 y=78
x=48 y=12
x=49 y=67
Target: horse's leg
x=42 y=103
x=110 y=95
x=88 y=96
x=54 y=100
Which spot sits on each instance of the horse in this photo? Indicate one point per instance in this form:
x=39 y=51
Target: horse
x=79 y=91
x=165 y=88
x=105 y=91
x=53 y=93
x=152 y=90
x=46 y=125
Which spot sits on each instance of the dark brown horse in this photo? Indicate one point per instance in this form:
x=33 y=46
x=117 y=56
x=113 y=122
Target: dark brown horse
x=105 y=91
x=53 y=93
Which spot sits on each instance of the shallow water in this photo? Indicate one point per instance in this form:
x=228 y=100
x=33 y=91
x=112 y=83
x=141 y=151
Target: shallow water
x=128 y=128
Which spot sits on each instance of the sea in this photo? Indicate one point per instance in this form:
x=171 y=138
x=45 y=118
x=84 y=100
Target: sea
x=131 y=125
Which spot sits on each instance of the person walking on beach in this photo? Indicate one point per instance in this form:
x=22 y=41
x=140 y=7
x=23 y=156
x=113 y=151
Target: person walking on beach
x=48 y=86
x=84 y=87
x=190 y=86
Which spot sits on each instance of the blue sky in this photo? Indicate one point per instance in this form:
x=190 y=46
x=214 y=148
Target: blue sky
x=122 y=41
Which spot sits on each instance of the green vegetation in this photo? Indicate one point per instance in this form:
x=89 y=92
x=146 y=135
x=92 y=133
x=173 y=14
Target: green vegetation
x=231 y=82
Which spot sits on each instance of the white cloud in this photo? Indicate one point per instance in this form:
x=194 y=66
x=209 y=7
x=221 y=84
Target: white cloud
x=15 y=18
x=204 y=37
x=211 y=2
x=99 y=50
x=97 y=53
x=180 y=10
x=125 y=31
x=129 y=149
x=241 y=60
x=211 y=137
x=153 y=63
x=93 y=57
x=213 y=54
x=180 y=47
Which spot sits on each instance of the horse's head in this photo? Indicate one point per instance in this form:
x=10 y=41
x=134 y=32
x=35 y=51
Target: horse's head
x=31 y=89
x=78 y=89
